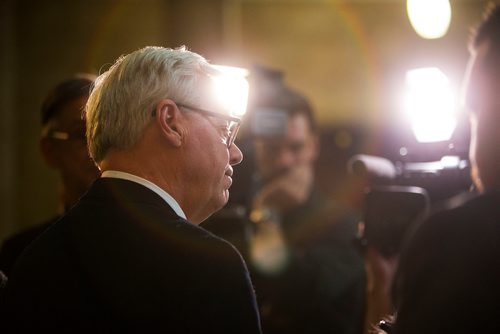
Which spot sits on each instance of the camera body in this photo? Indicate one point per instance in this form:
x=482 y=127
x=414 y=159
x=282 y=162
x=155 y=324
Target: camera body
x=400 y=194
x=388 y=215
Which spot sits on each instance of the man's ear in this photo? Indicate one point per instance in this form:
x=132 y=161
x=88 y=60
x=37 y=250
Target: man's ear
x=168 y=117
x=49 y=153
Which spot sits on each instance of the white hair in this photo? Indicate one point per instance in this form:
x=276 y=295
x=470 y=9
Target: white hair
x=122 y=100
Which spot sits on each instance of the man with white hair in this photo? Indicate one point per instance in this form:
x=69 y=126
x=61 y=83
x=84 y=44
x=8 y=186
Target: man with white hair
x=130 y=255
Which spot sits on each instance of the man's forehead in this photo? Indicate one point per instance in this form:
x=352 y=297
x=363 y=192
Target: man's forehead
x=68 y=125
x=72 y=112
x=296 y=130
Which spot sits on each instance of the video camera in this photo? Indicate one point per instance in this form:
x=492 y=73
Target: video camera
x=401 y=193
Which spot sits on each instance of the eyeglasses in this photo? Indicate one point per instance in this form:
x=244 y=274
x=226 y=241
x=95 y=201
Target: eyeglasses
x=228 y=131
x=66 y=136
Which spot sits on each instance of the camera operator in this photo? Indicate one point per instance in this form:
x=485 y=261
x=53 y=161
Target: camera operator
x=447 y=280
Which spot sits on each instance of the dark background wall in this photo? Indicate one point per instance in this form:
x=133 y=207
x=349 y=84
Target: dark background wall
x=348 y=56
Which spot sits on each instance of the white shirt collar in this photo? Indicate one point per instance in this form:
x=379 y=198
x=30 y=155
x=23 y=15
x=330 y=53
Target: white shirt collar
x=148 y=184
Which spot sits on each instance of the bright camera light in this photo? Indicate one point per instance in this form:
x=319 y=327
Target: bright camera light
x=231 y=89
x=430 y=18
x=430 y=104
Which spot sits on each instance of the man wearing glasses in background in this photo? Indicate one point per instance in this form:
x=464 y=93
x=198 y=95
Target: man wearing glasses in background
x=298 y=243
x=64 y=149
x=130 y=255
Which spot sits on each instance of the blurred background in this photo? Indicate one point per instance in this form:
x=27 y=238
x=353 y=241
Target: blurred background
x=350 y=57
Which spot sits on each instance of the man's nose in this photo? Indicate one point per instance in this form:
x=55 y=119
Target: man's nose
x=235 y=155
x=285 y=158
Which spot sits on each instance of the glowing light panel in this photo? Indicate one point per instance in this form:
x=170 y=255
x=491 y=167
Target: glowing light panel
x=430 y=104
x=430 y=18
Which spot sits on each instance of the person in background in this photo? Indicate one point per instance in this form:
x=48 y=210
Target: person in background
x=447 y=278
x=308 y=276
x=64 y=149
x=130 y=256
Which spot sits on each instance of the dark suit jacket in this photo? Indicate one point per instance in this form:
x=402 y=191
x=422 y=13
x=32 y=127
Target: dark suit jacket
x=449 y=274
x=14 y=246
x=122 y=261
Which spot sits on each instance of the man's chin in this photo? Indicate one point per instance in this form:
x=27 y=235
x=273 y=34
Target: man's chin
x=220 y=201
x=225 y=198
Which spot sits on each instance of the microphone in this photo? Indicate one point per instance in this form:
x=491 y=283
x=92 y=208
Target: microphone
x=364 y=165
